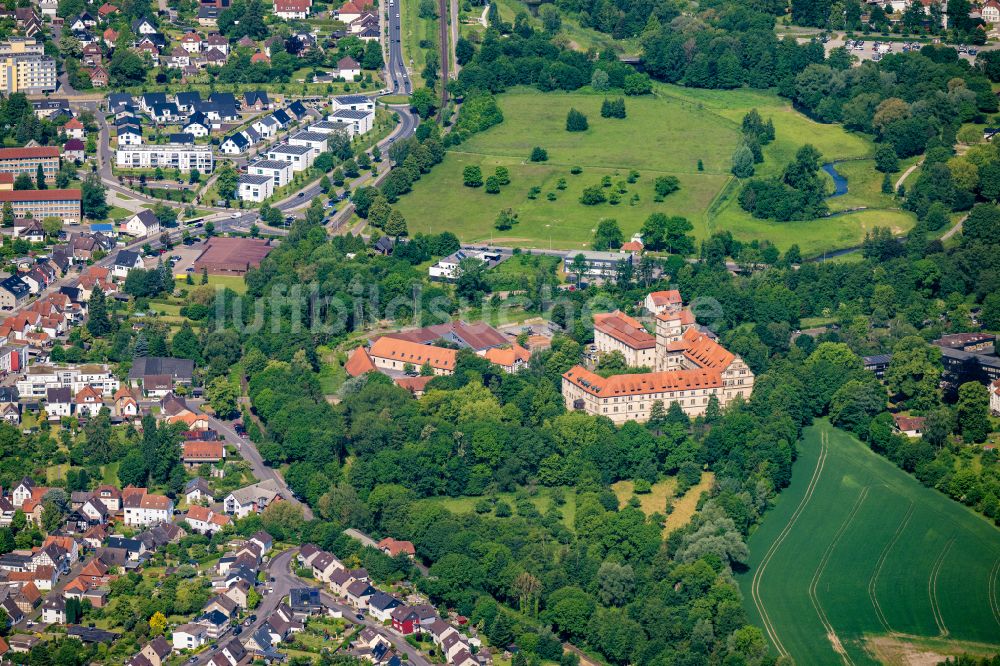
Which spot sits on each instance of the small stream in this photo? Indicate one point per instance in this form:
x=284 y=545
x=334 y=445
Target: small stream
x=839 y=182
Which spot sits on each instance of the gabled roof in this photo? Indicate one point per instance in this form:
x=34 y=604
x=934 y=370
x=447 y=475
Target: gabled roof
x=413 y=353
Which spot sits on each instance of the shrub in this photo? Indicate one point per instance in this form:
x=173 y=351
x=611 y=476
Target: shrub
x=551 y=196
x=561 y=184
x=592 y=196
x=483 y=506
x=493 y=185
x=666 y=185
x=539 y=154
x=642 y=486
x=534 y=192
x=576 y=171
x=613 y=108
x=502 y=509
x=503 y=175
x=576 y=121
x=472 y=176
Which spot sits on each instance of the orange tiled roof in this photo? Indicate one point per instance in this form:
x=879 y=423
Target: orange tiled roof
x=414 y=353
x=625 y=329
x=507 y=356
x=195 y=450
x=359 y=363
x=685 y=317
x=413 y=384
x=641 y=384
x=667 y=297
x=88 y=391
x=706 y=352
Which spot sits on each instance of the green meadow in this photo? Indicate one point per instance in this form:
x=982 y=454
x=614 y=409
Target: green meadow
x=664 y=134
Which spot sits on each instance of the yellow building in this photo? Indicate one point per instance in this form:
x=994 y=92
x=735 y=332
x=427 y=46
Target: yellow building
x=25 y=68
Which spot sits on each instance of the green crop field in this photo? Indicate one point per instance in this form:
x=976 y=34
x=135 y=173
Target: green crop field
x=664 y=134
x=859 y=563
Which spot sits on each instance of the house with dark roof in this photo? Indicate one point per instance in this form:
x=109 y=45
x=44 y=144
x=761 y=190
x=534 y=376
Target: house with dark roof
x=234 y=144
x=125 y=261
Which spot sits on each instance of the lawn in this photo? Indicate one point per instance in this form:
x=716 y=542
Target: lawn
x=664 y=134
x=859 y=558
x=331 y=373
x=234 y=282
x=663 y=491
x=542 y=501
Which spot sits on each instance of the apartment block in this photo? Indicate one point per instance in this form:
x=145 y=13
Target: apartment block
x=168 y=156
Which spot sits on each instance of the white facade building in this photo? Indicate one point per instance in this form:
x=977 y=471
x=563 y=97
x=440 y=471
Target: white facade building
x=168 y=156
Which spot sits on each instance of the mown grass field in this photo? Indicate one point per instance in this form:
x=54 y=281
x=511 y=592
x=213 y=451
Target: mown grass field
x=859 y=559
x=664 y=134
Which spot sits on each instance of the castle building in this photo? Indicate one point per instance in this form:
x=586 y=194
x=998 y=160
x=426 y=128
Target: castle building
x=689 y=367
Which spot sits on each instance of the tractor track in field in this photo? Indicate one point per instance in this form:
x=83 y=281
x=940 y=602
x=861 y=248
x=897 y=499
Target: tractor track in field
x=932 y=588
x=831 y=633
x=759 y=574
x=991 y=591
x=883 y=557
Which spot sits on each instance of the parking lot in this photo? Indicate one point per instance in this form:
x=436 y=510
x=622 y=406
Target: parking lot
x=874 y=50
x=186 y=255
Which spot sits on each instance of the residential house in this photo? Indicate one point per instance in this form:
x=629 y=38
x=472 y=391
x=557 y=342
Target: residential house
x=198 y=125
x=252 y=187
x=348 y=68
x=197 y=490
x=147 y=509
x=189 y=636
x=75 y=150
x=358 y=593
x=292 y=9
x=234 y=144
x=58 y=403
x=125 y=261
x=74 y=129
x=299 y=157
x=88 y=401
x=381 y=605
x=256 y=100
x=54 y=609
x=205 y=521
x=156 y=651
x=194 y=453
x=393 y=547
x=129 y=135
x=251 y=499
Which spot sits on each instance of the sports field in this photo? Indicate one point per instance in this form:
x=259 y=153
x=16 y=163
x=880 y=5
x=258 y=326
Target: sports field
x=664 y=134
x=858 y=558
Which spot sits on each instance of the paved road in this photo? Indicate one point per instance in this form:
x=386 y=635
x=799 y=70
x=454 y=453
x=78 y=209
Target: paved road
x=278 y=568
x=249 y=452
x=407 y=126
x=399 y=77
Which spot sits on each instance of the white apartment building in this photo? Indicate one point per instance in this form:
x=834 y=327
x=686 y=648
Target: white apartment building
x=329 y=127
x=316 y=141
x=353 y=103
x=168 y=156
x=279 y=172
x=361 y=121
x=255 y=188
x=40 y=378
x=300 y=157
